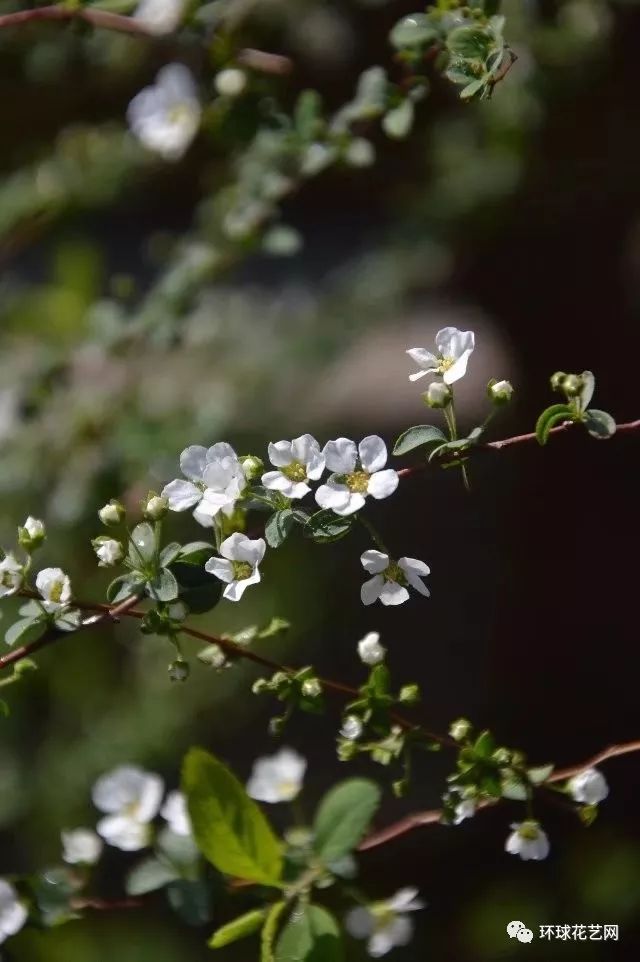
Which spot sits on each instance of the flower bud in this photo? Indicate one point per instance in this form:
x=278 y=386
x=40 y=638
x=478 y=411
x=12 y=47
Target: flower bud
x=572 y=385
x=230 y=82
x=156 y=507
x=276 y=725
x=437 y=395
x=32 y=534
x=179 y=670
x=351 y=728
x=112 y=513
x=108 y=550
x=370 y=650
x=252 y=467
x=460 y=729
x=311 y=688
x=500 y=392
x=409 y=694
x=260 y=686
x=557 y=380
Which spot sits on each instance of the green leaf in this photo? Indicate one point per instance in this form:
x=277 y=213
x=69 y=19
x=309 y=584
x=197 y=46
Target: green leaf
x=180 y=850
x=278 y=526
x=196 y=552
x=164 y=586
x=239 y=928
x=515 y=790
x=588 y=387
x=169 y=553
x=416 y=436
x=471 y=43
x=549 y=417
x=412 y=31
x=397 y=123
x=123 y=587
x=599 y=424
x=540 y=774
x=308 y=114
x=269 y=931
x=24 y=630
x=310 y=935
x=142 y=546
x=191 y=900
x=473 y=88
x=484 y=745
x=324 y=526
x=343 y=818
x=199 y=590
x=148 y=876
x=229 y=828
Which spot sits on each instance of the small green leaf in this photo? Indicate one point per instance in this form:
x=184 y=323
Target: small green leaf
x=540 y=774
x=229 y=828
x=588 y=814
x=588 y=387
x=599 y=424
x=310 y=935
x=164 y=586
x=484 y=745
x=473 y=88
x=397 y=123
x=148 y=876
x=416 y=436
x=412 y=31
x=343 y=818
x=142 y=546
x=191 y=900
x=471 y=43
x=270 y=930
x=169 y=553
x=278 y=526
x=550 y=417
x=123 y=587
x=515 y=790
x=196 y=552
x=324 y=526
x=24 y=631
x=239 y=928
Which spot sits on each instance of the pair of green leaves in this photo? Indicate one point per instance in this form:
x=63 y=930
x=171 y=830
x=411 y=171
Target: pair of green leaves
x=323 y=527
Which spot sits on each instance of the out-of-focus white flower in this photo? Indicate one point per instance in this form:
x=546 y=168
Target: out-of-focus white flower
x=165 y=116
x=81 y=846
x=277 y=778
x=55 y=587
x=13 y=914
x=109 y=551
x=454 y=349
x=11 y=575
x=230 y=82
x=131 y=798
x=351 y=728
x=238 y=566
x=465 y=808
x=357 y=473
x=528 y=841
x=174 y=811
x=390 y=578
x=297 y=461
x=385 y=924
x=370 y=650
x=589 y=787
x=159 y=16
x=216 y=482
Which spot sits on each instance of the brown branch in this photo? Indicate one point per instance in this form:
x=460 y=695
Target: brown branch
x=105 y=905
x=432 y=816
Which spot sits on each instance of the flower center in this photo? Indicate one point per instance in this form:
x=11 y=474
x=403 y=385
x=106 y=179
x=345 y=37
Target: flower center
x=445 y=364
x=294 y=471
x=287 y=788
x=55 y=591
x=395 y=573
x=357 y=482
x=528 y=831
x=242 y=570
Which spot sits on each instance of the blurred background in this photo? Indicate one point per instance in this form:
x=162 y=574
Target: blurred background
x=121 y=342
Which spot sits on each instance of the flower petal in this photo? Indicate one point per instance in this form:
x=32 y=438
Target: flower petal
x=333 y=495
x=373 y=453
x=181 y=495
x=341 y=455
x=383 y=483
x=424 y=359
x=370 y=590
x=374 y=561
x=457 y=370
x=393 y=594
x=192 y=461
x=221 y=568
x=275 y=481
x=304 y=447
x=280 y=453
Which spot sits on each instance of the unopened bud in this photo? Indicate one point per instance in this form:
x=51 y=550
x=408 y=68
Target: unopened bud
x=109 y=551
x=572 y=385
x=230 y=82
x=460 y=729
x=260 y=686
x=311 y=688
x=252 y=467
x=156 y=507
x=112 y=513
x=31 y=534
x=437 y=395
x=409 y=694
x=500 y=392
x=179 y=670
x=351 y=728
x=557 y=380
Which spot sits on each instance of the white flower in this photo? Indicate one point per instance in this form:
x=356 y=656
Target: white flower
x=81 y=846
x=159 y=16
x=174 y=811
x=297 y=461
x=370 y=650
x=390 y=578
x=238 y=566
x=357 y=473
x=528 y=841
x=55 y=587
x=131 y=798
x=351 y=728
x=230 y=82
x=277 y=778
x=453 y=347
x=11 y=575
x=109 y=551
x=216 y=481
x=13 y=914
x=165 y=116
x=385 y=924
x=589 y=787
x=465 y=808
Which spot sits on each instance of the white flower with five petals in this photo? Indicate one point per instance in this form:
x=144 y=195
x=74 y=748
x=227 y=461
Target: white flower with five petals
x=357 y=473
x=11 y=575
x=13 y=913
x=55 y=587
x=165 y=116
x=385 y=924
x=298 y=462
x=238 y=566
x=391 y=578
x=454 y=349
x=131 y=798
x=277 y=778
x=215 y=482
x=528 y=841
